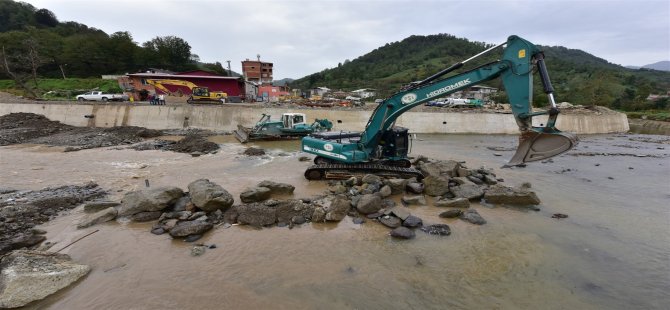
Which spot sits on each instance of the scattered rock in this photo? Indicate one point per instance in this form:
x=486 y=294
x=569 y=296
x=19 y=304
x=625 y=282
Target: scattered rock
x=209 y=196
x=149 y=200
x=252 y=151
x=385 y=191
x=304 y=158
x=402 y=233
x=99 y=217
x=99 y=205
x=559 y=216
x=390 y=221
x=472 y=216
x=358 y=220
x=436 y=185
x=371 y=178
x=198 y=250
x=453 y=213
x=414 y=200
x=412 y=221
x=337 y=209
x=146 y=216
x=183 y=229
x=192 y=238
x=255 y=194
x=453 y=203
x=256 y=215
x=500 y=194
x=397 y=185
x=400 y=212
x=277 y=188
x=26 y=276
x=415 y=188
x=369 y=203
x=468 y=191
x=437 y=229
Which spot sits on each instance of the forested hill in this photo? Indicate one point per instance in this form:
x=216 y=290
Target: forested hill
x=577 y=76
x=34 y=43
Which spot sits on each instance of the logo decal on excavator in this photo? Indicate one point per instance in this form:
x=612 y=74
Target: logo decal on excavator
x=522 y=53
x=328 y=147
x=448 y=88
x=408 y=98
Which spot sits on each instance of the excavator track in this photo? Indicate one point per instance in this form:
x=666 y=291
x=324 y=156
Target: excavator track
x=345 y=171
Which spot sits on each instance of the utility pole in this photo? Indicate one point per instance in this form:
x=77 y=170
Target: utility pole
x=230 y=73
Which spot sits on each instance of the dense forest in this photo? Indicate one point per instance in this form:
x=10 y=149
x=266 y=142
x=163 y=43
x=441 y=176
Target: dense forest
x=577 y=76
x=34 y=43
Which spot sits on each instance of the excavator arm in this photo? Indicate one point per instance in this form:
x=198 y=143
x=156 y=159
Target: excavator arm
x=380 y=141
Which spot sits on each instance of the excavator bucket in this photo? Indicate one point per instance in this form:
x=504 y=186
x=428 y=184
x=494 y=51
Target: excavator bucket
x=541 y=143
x=241 y=134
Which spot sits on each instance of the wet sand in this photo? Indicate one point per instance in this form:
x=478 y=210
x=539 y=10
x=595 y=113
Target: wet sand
x=612 y=252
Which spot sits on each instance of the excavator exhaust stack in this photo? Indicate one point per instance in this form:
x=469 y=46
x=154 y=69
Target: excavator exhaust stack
x=541 y=143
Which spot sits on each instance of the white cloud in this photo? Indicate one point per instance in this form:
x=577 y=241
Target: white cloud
x=302 y=37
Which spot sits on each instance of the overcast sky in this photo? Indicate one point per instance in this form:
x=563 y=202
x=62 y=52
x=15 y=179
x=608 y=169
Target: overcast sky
x=302 y=37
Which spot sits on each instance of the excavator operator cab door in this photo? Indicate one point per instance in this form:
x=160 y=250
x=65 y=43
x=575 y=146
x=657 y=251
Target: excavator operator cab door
x=395 y=143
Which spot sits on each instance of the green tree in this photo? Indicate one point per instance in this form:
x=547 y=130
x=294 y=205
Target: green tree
x=173 y=52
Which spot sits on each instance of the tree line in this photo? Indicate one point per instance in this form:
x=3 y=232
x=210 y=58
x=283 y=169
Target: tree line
x=34 y=43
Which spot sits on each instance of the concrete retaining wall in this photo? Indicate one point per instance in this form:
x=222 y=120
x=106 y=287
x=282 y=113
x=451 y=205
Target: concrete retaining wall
x=227 y=117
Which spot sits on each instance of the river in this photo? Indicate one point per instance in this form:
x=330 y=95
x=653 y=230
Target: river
x=612 y=252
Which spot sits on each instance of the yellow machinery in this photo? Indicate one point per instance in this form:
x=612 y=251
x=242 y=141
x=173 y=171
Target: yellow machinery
x=198 y=94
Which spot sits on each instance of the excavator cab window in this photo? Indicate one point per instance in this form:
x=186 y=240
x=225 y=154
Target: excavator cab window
x=395 y=142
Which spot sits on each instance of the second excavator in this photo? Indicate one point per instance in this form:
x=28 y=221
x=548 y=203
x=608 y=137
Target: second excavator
x=382 y=147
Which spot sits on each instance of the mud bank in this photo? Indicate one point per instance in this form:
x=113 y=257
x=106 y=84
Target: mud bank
x=227 y=118
x=649 y=127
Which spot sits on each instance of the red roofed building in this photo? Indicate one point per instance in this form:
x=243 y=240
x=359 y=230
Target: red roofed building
x=136 y=82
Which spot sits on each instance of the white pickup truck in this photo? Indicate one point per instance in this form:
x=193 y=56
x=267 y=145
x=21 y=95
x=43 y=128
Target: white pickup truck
x=100 y=96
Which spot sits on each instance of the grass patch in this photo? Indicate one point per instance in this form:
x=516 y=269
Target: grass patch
x=63 y=88
x=650 y=115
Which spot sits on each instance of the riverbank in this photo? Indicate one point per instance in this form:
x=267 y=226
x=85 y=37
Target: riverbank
x=227 y=117
x=650 y=127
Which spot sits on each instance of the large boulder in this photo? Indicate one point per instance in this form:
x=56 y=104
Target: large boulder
x=99 y=205
x=209 y=196
x=397 y=185
x=338 y=209
x=183 y=229
x=501 y=194
x=441 y=167
x=437 y=229
x=26 y=276
x=255 y=194
x=149 y=200
x=256 y=214
x=369 y=203
x=468 y=191
x=98 y=217
x=371 y=179
x=436 y=185
x=277 y=188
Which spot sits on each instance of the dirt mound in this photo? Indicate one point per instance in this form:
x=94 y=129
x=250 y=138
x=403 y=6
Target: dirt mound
x=18 y=128
x=192 y=144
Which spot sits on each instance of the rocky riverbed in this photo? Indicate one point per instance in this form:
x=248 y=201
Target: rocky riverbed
x=268 y=245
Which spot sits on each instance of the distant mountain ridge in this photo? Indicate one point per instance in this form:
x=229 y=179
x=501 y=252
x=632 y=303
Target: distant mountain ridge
x=577 y=76
x=663 y=65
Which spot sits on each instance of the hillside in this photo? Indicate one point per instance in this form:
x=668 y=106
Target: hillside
x=578 y=77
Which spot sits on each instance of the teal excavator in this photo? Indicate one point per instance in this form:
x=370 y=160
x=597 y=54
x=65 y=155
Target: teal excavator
x=382 y=147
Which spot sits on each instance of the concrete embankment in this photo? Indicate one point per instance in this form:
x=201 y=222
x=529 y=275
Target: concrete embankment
x=228 y=117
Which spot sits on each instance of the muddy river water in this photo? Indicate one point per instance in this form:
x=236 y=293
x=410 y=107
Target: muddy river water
x=613 y=252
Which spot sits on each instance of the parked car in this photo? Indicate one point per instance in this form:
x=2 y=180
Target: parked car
x=100 y=96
